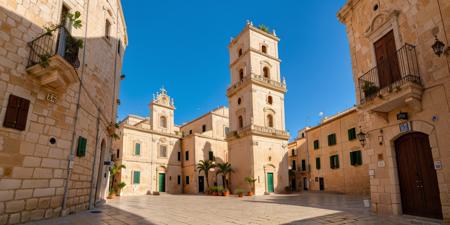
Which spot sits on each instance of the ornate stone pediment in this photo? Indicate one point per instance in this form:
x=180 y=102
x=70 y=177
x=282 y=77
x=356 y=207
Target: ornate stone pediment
x=380 y=20
x=161 y=98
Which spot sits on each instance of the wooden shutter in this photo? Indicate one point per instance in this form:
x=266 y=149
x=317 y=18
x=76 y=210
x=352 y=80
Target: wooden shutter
x=179 y=156
x=16 y=113
x=351 y=134
x=136 y=177
x=187 y=156
x=337 y=161
x=331 y=162
x=358 y=158
x=352 y=158
x=318 y=163
x=331 y=139
x=316 y=144
x=81 y=149
x=137 y=149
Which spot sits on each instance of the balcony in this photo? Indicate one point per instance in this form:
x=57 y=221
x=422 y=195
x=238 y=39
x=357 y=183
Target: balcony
x=259 y=130
x=257 y=79
x=54 y=58
x=392 y=84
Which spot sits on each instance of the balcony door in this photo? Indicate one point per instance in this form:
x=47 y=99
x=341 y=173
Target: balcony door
x=387 y=61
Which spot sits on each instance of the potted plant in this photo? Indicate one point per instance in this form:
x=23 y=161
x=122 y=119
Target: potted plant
x=120 y=186
x=226 y=192
x=113 y=171
x=251 y=181
x=219 y=190
x=369 y=89
x=239 y=192
x=224 y=169
x=214 y=190
x=205 y=166
x=111 y=194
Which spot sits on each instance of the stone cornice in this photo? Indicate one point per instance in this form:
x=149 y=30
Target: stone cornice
x=258 y=131
x=249 y=26
x=151 y=131
x=255 y=79
x=343 y=13
x=255 y=51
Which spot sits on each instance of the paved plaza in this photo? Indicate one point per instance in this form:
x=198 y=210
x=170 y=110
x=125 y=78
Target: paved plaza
x=304 y=208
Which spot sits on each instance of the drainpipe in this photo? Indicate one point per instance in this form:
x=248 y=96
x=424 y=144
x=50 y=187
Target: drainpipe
x=72 y=150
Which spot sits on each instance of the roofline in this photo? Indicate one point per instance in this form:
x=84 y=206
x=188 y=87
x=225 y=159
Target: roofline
x=204 y=115
x=333 y=118
x=249 y=26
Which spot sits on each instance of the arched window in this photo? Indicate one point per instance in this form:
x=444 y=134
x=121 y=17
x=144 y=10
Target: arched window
x=264 y=49
x=239 y=101
x=266 y=72
x=241 y=122
x=269 y=120
x=240 y=52
x=163 y=121
x=241 y=74
x=269 y=100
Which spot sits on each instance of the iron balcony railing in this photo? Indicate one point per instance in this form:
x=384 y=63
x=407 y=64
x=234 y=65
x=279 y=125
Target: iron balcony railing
x=58 y=42
x=390 y=74
x=259 y=78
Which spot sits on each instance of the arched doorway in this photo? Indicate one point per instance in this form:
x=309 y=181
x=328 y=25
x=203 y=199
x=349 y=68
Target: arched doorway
x=100 y=171
x=417 y=176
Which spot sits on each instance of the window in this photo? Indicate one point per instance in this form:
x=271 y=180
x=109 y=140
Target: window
x=264 y=49
x=163 y=151
x=163 y=121
x=239 y=101
x=241 y=74
x=303 y=165
x=119 y=46
x=240 y=52
x=136 y=177
x=107 y=29
x=266 y=72
x=303 y=135
x=269 y=100
x=352 y=134
x=294 y=166
x=179 y=156
x=81 y=149
x=186 y=157
x=203 y=128
x=179 y=179
x=293 y=152
x=211 y=155
x=187 y=179
x=241 y=122
x=331 y=139
x=137 y=149
x=16 y=113
x=118 y=153
x=334 y=162
x=318 y=163
x=355 y=158
x=190 y=131
x=269 y=120
x=316 y=144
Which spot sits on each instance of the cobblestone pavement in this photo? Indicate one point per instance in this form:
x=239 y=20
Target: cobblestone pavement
x=304 y=208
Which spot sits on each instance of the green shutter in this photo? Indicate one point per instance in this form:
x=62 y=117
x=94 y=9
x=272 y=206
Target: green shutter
x=331 y=162
x=316 y=144
x=137 y=149
x=358 y=158
x=351 y=134
x=352 y=158
x=331 y=139
x=136 y=177
x=355 y=158
x=318 y=163
x=337 y=161
x=211 y=155
x=81 y=150
x=334 y=161
x=303 y=165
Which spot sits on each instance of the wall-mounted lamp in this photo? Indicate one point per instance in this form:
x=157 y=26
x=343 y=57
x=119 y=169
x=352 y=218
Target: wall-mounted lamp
x=122 y=77
x=361 y=137
x=439 y=47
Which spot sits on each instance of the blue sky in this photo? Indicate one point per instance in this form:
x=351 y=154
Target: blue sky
x=182 y=45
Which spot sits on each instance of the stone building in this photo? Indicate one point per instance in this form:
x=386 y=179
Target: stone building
x=257 y=140
x=299 y=169
x=402 y=87
x=162 y=157
x=57 y=104
x=334 y=160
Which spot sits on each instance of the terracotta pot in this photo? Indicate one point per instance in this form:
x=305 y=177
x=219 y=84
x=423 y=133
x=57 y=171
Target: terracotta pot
x=215 y=193
x=226 y=193
x=111 y=196
x=250 y=193
x=241 y=195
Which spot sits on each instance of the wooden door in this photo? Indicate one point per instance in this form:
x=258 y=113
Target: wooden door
x=387 y=60
x=201 y=184
x=162 y=182
x=270 y=182
x=321 y=184
x=417 y=176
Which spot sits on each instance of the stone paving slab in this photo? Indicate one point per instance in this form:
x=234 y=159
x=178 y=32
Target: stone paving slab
x=304 y=208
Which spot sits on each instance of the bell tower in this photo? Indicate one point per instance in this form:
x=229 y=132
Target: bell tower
x=257 y=140
x=162 y=112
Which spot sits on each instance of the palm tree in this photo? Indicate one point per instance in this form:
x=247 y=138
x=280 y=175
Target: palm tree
x=205 y=166
x=224 y=169
x=115 y=169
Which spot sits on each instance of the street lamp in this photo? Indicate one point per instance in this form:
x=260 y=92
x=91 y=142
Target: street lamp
x=361 y=137
x=438 y=47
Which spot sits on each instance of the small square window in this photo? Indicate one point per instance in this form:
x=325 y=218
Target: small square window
x=187 y=179
x=316 y=144
x=352 y=134
x=331 y=139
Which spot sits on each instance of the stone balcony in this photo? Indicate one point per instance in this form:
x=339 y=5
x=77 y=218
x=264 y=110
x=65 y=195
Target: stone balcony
x=403 y=89
x=259 y=80
x=259 y=130
x=53 y=59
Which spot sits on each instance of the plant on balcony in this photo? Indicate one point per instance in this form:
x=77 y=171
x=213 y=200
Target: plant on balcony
x=369 y=89
x=205 y=166
x=264 y=28
x=251 y=182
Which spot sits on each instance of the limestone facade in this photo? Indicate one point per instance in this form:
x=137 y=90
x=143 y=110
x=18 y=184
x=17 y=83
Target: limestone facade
x=41 y=175
x=334 y=136
x=422 y=93
x=257 y=140
x=160 y=156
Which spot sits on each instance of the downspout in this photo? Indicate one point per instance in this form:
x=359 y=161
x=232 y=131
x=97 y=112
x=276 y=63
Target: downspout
x=71 y=156
x=92 y=202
